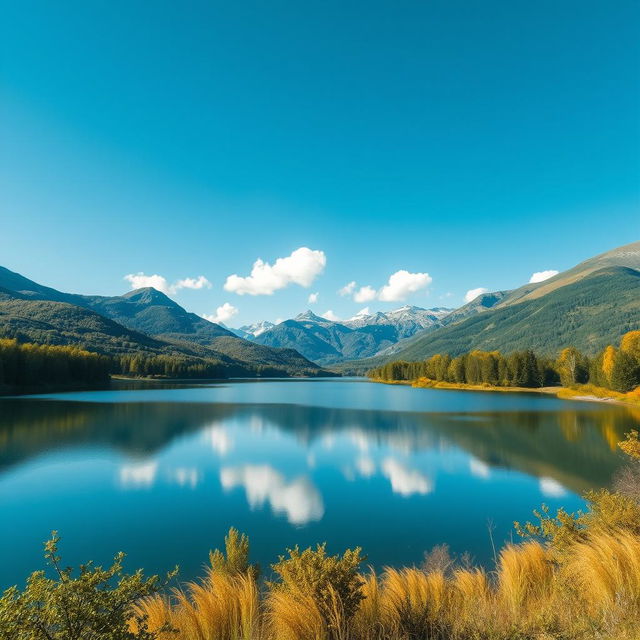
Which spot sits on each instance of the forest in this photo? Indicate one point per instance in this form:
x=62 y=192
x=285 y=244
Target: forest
x=615 y=368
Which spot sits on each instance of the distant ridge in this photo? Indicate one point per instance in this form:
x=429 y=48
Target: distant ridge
x=140 y=321
x=366 y=334
x=588 y=306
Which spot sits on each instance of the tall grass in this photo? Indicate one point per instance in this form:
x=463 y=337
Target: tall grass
x=593 y=592
x=582 y=583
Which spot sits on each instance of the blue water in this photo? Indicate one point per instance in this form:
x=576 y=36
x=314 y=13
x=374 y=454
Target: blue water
x=163 y=472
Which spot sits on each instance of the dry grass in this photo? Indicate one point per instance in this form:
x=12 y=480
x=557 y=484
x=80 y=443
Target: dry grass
x=592 y=592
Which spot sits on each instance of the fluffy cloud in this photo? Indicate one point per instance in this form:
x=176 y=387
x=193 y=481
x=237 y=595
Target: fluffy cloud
x=348 y=289
x=541 y=276
x=193 y=283
x=405 y=481
x=140 y=280
x=298 y=499
x=472 y=294
x=365 y=294
x=313 y=298
x=223 y=314
x=329 y=315
x=301 y=268
x=400 y=285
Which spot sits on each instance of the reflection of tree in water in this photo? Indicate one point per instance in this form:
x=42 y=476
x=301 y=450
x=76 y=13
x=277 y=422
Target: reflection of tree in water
x=574 y=447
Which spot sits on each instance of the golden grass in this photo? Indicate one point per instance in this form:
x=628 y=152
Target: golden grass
x=593 y=591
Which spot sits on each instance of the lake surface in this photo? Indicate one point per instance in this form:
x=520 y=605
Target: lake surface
x=162 y=473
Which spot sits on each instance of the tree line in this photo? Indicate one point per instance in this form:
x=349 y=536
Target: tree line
x=24 y=365
x=616 y=368
x=27 y=365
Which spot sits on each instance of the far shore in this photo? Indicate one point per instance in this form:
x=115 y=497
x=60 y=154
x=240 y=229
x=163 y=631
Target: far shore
x=583 y=393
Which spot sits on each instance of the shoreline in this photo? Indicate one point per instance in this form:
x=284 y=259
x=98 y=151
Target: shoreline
x=562 y=393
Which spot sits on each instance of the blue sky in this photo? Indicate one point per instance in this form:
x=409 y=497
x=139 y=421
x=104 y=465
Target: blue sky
x=477 y=142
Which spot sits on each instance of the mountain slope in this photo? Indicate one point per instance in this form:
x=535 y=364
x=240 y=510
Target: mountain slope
x=589 y=313
x=328 y=342
x=34 y=312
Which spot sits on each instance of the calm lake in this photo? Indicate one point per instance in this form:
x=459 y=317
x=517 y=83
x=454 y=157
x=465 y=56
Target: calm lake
x=162 y=473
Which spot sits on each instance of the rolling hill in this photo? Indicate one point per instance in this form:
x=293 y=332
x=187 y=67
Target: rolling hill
x=141 y=321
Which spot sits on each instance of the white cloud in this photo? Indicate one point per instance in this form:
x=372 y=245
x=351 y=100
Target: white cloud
x=193 y=283
x=298 y=499
x=551 y=488
x=301 y=268
x=541 y=276
x=140 y=280
x=402 y=283
x=365 y=294
x=329 y=315
x=138 y=475
x=223 y=313
x=405 y=481
x=348 y=289
x=313 y=298
x=472 y=294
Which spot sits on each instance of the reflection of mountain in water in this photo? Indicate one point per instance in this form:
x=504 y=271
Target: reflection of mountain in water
x=574 y=447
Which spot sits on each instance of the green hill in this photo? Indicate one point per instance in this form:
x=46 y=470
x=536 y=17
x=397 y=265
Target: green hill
x=590 y=313
x=144 y=322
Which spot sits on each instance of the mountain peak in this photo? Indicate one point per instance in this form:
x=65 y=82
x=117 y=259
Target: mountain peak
x=150 y=296
x=309 y=316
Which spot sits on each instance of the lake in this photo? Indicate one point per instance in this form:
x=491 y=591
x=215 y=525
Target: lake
x=163 y=471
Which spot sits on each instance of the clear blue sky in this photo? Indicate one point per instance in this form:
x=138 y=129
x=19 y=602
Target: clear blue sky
x=475 y=141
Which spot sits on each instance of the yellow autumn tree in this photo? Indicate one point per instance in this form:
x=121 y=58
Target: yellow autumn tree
x=630 y=344
x=608 y=362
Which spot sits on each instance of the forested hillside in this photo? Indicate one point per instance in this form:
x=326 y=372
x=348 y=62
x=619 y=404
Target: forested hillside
x=189 y=347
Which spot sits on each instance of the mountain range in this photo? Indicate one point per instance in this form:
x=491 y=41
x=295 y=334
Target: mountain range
x=141 y=321
x=588 y=306
x=328 y=342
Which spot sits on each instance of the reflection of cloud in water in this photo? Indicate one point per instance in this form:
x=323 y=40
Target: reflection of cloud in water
x=187 y=477
x=405 y=481
x=366 y=466
x=298 y=499
x=360 y=440
x=479 y=469
x=220 y=441
x=138 y=475
x=551 y=488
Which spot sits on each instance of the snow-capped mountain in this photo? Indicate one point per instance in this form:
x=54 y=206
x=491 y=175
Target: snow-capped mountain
x=364 y=335
x=252 y=331
x=408 y=320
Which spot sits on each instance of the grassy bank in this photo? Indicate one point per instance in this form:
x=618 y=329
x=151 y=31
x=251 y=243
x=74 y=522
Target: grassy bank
x=587 y=392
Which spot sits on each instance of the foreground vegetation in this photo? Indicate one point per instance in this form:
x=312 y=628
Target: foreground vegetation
x=615 y=369
x=574 y=576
